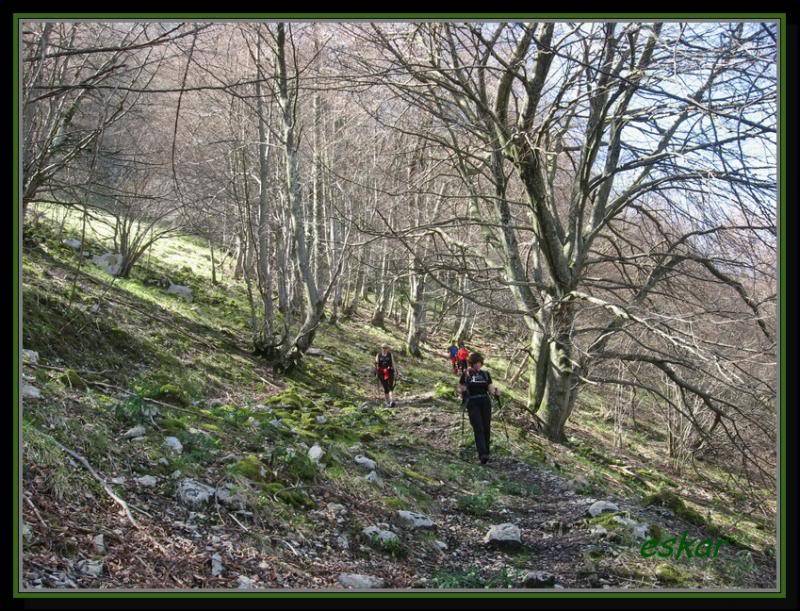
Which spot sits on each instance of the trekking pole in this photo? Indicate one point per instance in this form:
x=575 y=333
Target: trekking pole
x=501 y=415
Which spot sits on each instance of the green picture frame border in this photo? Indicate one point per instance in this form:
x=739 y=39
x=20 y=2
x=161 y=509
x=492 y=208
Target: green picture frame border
x=780 y=593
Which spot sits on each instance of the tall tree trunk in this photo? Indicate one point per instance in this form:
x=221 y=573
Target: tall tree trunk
x=561 y=382
x=416 y=310
x=265 y=341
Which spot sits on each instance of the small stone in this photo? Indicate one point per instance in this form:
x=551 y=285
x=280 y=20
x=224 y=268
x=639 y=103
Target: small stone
x=367 y=463
x=72 y=243
x=416 y=520
x=373 y=478
x=337 y=508
x=245 y=583
x=440 y=545
x=598 y=531
x=92 y=568
x=99 y=544
x=193 y=493
x=503 y=535
x=118 y=480
x=640 y=531
x=137 y=431
x=315 y=352
x=174 y=444
x=216 y=565
x=30 y=392
x=147 y=481
x=538 y=579
x=228 y=496
x=315 y=453
x=30 y=356
x=321 y=419
x=360 y=582
x=343 y=542
x=599 y=507
x=383 y=536
x=27 y=533
x=176 y=474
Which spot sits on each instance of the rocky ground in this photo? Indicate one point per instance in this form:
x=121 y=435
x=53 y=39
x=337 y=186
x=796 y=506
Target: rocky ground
x=159 y=453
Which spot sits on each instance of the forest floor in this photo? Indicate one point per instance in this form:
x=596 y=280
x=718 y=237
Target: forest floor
x=117 y=354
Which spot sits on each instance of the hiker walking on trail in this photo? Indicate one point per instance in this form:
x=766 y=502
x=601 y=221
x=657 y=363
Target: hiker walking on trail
x=453 y=354
x=386 y=370
x=462 y=356
x=476 y=387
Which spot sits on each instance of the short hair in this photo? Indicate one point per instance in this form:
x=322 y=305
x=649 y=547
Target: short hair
x=475 y=357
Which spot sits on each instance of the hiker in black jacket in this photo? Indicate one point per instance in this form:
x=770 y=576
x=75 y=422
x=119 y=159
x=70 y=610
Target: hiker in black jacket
x=476 y=387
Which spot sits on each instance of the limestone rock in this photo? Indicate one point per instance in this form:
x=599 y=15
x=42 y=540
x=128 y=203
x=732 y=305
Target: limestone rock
x=92 y=568
x=315 y=453
x=367 y=463
x=180 y=290
x=360 y=582
x=373 y=478
x=416 y=520
x=374 y=533
x=599 y=507
x=216 y=565
x=146 y=481
x=30 y=392
x=99 y=544
x=72 y=243
x=174 y=444
x=194 y=493
x=137 y=431
x=538 y=579
x=503 y=535
x=109 y=262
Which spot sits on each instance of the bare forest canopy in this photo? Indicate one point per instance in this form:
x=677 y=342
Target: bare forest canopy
x=600 y=196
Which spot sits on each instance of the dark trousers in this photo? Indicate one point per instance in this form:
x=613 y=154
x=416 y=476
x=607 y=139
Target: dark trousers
x=480 y=417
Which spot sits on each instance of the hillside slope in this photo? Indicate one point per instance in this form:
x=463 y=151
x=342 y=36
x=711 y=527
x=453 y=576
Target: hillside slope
x=223 y=493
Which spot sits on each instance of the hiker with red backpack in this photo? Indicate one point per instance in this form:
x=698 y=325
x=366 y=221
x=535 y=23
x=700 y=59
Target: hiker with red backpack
x=386 y=371
x=461 y=357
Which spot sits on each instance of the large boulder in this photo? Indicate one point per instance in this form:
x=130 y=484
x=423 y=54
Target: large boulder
x=109 y=262
x=360 y=582
x=194 y=493
x=415 y=520
x=503 y=535
x=180 y=291
x=598 y=507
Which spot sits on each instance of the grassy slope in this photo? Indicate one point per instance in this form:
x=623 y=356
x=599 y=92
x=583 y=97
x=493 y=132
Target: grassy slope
x=143 y=343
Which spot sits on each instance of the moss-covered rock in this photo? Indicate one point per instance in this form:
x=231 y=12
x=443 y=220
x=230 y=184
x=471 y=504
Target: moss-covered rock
x=71 y=379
